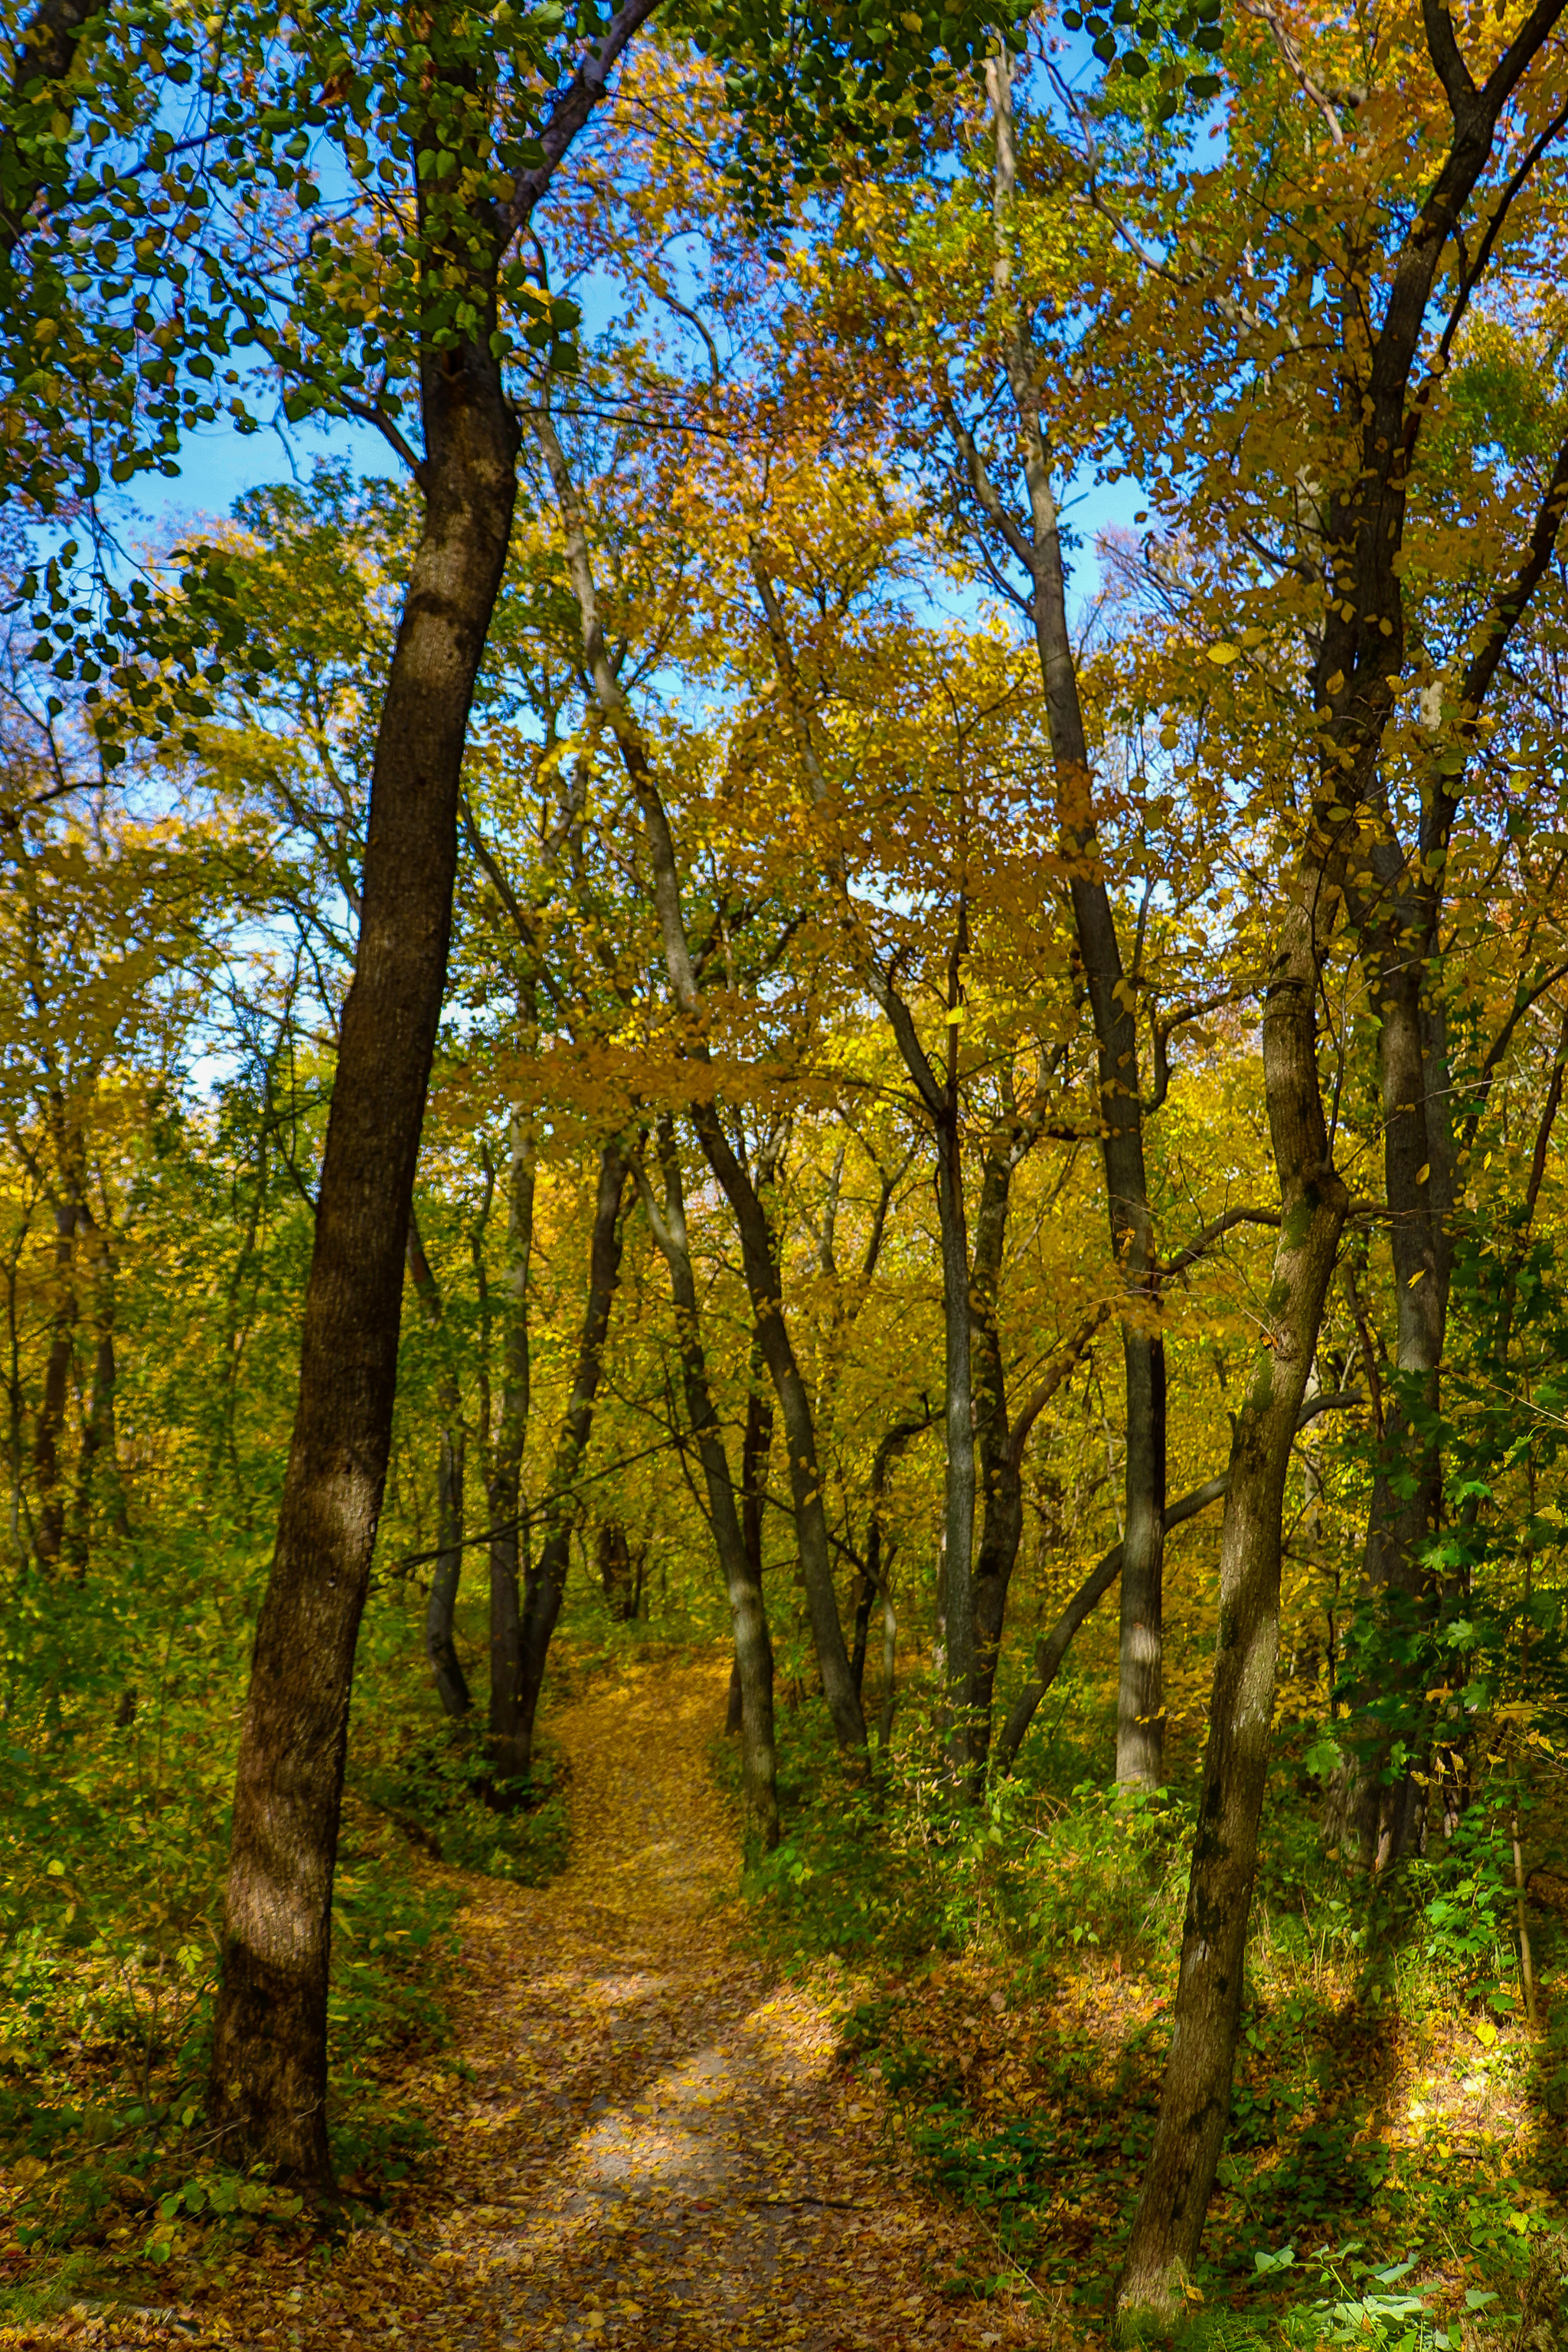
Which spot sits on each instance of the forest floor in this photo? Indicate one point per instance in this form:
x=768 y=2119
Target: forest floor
x=650 y=2142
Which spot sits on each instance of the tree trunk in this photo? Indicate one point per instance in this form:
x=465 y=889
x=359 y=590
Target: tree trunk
x=1140 y=1696
x=958 y=1420
x=546 y=1582
x=878 y=1555
x=1140 y=1720
x=1196 y=2101
x=763 y=1281
x=620 y=1571
x=441 y=1603
x=266 y=2099
x=98 y=1479
x=509 y=1745
x=1000 y=1459
x=756 y=1446
x=742 y=1579
x=764 y=1284
x=48 y=1427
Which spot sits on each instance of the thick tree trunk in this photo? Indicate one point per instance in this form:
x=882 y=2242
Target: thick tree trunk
x=1196 y=2101
x=1407 y=1487
x=546 y=1581
x=742 y=1579
x=266 y=2098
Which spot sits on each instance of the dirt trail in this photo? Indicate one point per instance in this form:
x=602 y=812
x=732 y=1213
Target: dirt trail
x=648 y=2146
x=657 y=2150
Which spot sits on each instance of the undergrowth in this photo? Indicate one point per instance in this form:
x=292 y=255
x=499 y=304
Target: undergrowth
x=114 y=1813
x=1006 y=1969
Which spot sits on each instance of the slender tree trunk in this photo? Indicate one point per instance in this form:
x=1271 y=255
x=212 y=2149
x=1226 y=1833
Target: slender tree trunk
x=764 y=1284
x=99 y=1478
x=763 y=1281
x=1195 y=2102
x=441 y=1603
x=879 y=1553
x=510 y=1743
x=618 y=1579
x=889 y=1668
x=546 y=1582
x=756 y=1446
x=1000 y=1457
x=1053 y=1647
x=743 y=1578
x=1140 y=1722
x=48 y=1427
x=958 y=1398
x=268 y=2090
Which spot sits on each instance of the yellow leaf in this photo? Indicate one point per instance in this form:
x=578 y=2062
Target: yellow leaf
x=1422 y=1173
x=1223 y=655
x=1485 y=2032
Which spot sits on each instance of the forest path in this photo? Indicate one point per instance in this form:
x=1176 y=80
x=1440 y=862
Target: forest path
x=657 y=2149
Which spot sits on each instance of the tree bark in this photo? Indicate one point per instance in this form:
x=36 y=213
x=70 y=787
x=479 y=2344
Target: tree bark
x=763 y=1281
x=546 y=1582
x=765 y=1286
x=99 y=1477
x=1140 y=1721
x=268 y=2088
x=756 y=1445
x=742 y=1579
x=441 y=1603
x=511 y=1749
x=620 y=1575
x=46 y=51
x=48 y=1427
x=1195 y=2102
x=1397 y=908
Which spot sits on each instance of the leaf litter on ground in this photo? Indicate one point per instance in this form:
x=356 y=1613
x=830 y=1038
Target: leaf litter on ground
x=644 y=2140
